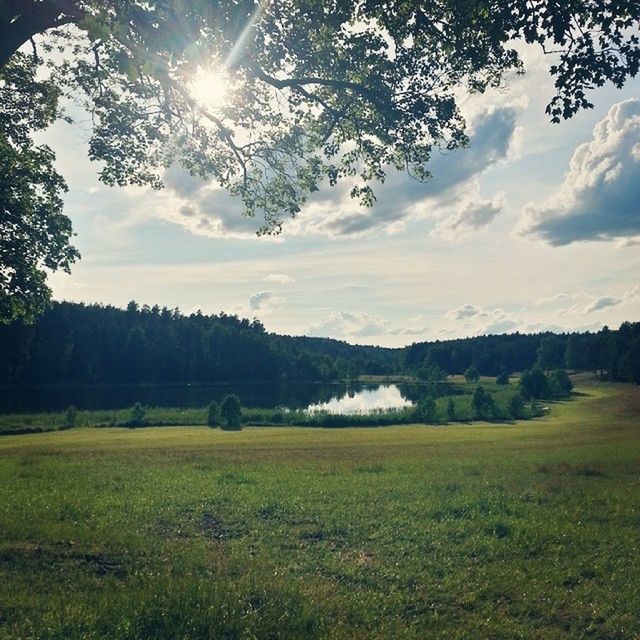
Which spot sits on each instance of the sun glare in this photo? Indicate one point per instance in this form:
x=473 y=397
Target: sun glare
x=210 y=88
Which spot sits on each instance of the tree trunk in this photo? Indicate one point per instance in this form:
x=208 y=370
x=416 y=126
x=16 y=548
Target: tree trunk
x=20 y=20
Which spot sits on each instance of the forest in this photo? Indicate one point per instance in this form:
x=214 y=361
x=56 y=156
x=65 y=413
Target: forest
x=97 y=344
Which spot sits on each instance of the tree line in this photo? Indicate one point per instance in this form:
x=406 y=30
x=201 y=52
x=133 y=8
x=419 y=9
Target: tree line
x=610 y=354
x=96 y=344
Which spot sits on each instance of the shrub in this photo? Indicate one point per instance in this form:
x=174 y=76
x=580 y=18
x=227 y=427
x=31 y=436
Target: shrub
x=138 y=415
x=560 y=384
x=70 y=417
x=231 y=411
x=516 y=406
x=503 y=377
x=471 y=374
x=213 y=414
x=483 y=405
x=451 y=410
x=426 y=411
x=534 y=384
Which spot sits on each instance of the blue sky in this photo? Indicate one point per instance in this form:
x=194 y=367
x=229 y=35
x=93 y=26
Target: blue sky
x=534 y=227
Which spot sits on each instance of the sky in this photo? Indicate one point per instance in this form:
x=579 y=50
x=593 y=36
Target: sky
x=534 y=227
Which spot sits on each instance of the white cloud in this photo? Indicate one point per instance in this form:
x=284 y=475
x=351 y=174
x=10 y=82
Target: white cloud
x=603 y=302
x=342 y=324
x=599 y=198
x=471 y=216
x=479 y=321
x=551 y=299
x=465 y=311
x=264 y=301
x=280 y=278
x=452 y=191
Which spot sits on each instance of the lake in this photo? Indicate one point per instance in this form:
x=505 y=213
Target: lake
x=365 y=400
x=333 y=397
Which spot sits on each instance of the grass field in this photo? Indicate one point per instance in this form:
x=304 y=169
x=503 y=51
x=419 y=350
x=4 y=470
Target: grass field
x=523 y=530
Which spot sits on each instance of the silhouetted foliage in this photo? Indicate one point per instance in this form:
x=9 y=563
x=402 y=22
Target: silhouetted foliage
x=70 y=417
x=138 y=415
x=213 y=414
x=516 y=405
x=427 y=411
x=483 y=404
x=471 y=374
x=451 y=410
x=560 y=384
x=534 y=384
x=231 y=412
x=77 y=343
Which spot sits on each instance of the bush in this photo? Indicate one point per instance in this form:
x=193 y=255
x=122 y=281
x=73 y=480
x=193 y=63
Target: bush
x=560 y=385
x=483 y=405
x=516 y=406
x=231 y=411
x=138 y=415
x=426 y=411
x=534 y=384
x=503 y=377
x=471 y=374
x=70 y=417
x=213 y=414
x=451 y=410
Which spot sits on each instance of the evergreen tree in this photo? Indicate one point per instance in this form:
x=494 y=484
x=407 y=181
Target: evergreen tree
x=213 y=414
x=471 y=374
x=482 y=404
x=451 y=410
x=516 y=406
x=560 y=384
x=427 y=411
x=138 y=415
x=231 y=411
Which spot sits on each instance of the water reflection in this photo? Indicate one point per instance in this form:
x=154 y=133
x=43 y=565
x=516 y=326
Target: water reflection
x=364 y=400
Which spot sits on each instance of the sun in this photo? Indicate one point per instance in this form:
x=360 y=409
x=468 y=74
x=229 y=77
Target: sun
x=210 y=88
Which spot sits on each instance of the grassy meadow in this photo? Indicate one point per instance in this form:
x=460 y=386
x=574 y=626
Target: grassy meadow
x=518 y=530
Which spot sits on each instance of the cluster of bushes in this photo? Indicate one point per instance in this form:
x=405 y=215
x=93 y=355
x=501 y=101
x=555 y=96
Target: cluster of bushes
x=535 y=384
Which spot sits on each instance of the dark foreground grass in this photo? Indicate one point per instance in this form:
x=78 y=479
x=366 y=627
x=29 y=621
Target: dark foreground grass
x=529 y=530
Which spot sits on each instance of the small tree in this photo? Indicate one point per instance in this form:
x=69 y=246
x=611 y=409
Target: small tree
x=560 y=384
x=503 y=377
x=471 y=374
x=431 y=372
x=70 y=417
x=534 y=384
x=138 y=415
x=483 y=405
x=231 y=411
x=426 y=411
x=213 y=414
x=516 y=406
x=451 y=410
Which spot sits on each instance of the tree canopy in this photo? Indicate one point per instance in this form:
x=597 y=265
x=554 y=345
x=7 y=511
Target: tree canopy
x=315 y=91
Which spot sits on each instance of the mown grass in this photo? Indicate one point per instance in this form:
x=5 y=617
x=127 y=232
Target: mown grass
x=527 y=530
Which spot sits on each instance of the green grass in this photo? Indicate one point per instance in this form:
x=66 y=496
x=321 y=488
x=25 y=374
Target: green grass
x=523 y=530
